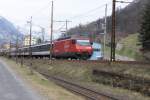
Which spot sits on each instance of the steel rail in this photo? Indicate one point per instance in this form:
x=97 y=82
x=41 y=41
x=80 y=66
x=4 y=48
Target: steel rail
x=105 y=61
x=86 y=92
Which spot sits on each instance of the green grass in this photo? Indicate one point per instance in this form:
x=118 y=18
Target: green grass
x=130 y=47
x=125 y=51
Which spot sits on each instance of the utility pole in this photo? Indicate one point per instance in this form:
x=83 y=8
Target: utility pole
x=66 y=26
x=105 y=31
x=67 y=21
x=113 y=44
x=22 y=53
x=51 y=37
x=30 y=42
x=43 y=34
x=113 y=34
x=17 y=48
x=9 y=55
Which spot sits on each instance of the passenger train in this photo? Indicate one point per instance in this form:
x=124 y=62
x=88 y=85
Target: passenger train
x=78 y=48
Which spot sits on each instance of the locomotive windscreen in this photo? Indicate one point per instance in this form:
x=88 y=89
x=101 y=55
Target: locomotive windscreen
x=83 y=42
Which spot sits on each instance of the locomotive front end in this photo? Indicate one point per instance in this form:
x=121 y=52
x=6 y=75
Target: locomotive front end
x=84 y=48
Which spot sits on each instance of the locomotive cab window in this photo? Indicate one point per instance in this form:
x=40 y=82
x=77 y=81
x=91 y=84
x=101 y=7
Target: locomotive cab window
x=73 y=41
x=83 y=42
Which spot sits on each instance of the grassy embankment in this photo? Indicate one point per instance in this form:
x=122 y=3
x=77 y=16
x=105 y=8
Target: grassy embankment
x=130 y=47
x=47 y=89
x=82 y=73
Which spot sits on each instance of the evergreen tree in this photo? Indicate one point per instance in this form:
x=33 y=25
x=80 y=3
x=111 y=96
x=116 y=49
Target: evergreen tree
x=145 y=28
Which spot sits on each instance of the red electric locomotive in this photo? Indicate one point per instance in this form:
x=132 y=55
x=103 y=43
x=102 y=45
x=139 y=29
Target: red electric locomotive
x=72 y=48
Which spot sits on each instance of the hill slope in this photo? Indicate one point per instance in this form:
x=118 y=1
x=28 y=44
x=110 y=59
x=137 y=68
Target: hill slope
x=127 y=21
x=7 y=31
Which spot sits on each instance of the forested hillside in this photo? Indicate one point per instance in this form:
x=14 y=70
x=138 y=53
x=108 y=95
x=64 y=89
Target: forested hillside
x=127 y=21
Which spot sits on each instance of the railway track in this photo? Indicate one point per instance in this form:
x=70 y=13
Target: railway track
x=83 y=91
x=106 y=61
x=96 y=61
x=89 y=94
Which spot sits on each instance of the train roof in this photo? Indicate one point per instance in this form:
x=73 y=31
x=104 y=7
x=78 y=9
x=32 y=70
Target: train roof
x=36 y=45
x=75 y=38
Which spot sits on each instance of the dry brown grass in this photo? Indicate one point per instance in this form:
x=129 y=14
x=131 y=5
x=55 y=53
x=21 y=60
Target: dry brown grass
x=82 y=73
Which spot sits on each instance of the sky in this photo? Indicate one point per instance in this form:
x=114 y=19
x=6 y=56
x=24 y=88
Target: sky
x=76 y=11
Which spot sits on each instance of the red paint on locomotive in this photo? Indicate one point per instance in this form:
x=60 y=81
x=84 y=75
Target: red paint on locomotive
x=73 y=48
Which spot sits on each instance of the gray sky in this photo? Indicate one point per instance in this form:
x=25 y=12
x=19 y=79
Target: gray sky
x=19 y=11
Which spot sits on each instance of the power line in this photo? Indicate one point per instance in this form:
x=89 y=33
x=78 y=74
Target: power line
x=92 y=10
x=80 y=15
x=61 y=27
x=66 y=23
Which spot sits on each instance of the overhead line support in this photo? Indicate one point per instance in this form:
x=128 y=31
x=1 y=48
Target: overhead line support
x=51 y=37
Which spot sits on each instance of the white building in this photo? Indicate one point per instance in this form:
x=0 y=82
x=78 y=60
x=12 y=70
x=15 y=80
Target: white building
x=26 y=41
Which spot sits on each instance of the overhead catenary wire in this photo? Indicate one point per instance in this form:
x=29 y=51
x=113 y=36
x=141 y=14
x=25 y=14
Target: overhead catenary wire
x=74 y=17
x=85 y=14
x=90 y=15
x=61 y=27
x=90 y=11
